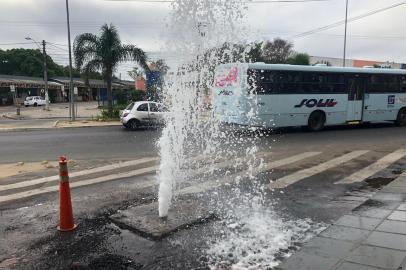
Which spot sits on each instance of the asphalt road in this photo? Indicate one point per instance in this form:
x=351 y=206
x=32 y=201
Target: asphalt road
x=287 y=217
x=117 y=142
x=77 y=143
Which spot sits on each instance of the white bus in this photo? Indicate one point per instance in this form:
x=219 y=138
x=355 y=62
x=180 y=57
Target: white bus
x=266 y=95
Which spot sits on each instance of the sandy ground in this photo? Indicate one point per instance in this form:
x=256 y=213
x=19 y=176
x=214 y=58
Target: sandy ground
x=7 y=170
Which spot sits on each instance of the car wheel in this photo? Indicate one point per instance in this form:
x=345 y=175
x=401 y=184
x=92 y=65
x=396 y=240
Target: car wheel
x=401 y=119
x=35 y=104
x=133 y=124
x=316 y=121
x=26 y=105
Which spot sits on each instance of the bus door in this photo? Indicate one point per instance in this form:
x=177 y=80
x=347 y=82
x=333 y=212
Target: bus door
x=356 y=89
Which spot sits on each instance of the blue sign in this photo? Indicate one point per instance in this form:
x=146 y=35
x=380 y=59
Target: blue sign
x=391 y=100
x=153 y=78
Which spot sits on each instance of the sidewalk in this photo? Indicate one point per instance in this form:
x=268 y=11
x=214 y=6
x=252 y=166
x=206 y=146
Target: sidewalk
x=371 y=237
x=86 y=110
x=21 y=125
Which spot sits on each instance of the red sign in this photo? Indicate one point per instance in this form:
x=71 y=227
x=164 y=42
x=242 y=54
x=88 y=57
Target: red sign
x=227 y=77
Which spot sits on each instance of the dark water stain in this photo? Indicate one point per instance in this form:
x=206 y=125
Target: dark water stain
x=378 y=182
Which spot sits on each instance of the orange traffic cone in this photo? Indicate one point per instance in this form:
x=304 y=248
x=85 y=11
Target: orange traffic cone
x=65 y=204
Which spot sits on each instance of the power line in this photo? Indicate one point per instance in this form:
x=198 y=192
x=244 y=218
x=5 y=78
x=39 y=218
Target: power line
x=57 y=46
x=16 y=43
x=356 y=18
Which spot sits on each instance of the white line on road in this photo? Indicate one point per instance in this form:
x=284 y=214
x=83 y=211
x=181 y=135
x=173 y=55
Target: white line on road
x=232 y=178
x=372 y=169
x=79 y=173
x=30 y=193
x=144 y=184
x=302 y=174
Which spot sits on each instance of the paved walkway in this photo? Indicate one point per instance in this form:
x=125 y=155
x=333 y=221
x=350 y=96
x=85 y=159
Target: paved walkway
x=371 y=237
x=37 y=124
x=58 y=110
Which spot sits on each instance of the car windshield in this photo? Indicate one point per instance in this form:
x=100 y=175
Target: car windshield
x=28 y=98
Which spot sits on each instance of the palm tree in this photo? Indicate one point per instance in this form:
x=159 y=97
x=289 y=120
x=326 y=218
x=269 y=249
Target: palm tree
x=104 y=53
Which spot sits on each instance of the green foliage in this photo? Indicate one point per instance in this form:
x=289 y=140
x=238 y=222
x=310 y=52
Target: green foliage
x=302 y=59
x=277 y=51
x=104 y=52
x=138 y=95
x=114 y=115
x=29 y=62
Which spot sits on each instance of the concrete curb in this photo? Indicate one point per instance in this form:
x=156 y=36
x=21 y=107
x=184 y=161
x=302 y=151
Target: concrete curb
x=12 y=117
x=55 y=126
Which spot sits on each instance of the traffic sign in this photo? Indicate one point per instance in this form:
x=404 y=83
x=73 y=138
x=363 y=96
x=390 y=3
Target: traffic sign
x=12 y=88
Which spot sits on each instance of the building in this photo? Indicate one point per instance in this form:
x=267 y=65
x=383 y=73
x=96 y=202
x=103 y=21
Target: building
x=58 y=89
x=338 y=62
x=26 y=86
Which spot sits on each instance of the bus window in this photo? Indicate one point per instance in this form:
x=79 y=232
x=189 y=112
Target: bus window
x=289 y=82
x=392 y=83
x=387 y=83
x=337 y=82
x=376 y=84
x=403 y=84
x=314 y=83
x=261 y=81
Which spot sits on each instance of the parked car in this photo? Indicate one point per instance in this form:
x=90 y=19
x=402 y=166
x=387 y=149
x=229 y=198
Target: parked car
x=143 y=113
x=34 y=101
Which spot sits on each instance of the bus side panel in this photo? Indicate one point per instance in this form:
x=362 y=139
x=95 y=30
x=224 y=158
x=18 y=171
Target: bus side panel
x=383 y=107
x=294 y=110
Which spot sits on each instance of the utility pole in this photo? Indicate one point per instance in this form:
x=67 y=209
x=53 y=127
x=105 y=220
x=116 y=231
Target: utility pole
x=345 y=32
x=45 y=76
x=71 y=94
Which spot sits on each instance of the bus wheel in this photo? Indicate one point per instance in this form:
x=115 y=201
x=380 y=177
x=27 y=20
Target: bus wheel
x=316 y=121
x=401 y=120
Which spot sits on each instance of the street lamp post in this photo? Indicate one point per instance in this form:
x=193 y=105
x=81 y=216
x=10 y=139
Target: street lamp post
x=45 y=70
x=71 y=94
x=345 y=32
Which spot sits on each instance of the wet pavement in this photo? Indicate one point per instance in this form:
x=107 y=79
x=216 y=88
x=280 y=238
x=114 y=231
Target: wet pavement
x=372 y=236
x=244 y=231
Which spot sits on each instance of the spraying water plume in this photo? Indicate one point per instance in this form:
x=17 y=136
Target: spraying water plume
x=197 y=27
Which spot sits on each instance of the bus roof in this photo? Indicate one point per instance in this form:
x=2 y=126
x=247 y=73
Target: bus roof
x=322 y=68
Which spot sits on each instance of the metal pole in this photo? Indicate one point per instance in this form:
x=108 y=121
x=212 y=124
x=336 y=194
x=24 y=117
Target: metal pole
x=71 y=94
x=345 y=32
x=45 y=76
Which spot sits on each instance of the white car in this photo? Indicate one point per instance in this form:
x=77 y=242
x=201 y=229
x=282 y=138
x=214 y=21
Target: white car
x=143 y=113
x=34 y=101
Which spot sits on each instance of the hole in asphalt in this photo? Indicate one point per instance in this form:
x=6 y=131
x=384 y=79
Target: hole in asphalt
x=378 y=182
x=397 y=171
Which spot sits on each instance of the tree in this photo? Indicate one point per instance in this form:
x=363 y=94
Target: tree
x=104 y=53
x=302 y=59
x=160 y=66
x=277 y=51
x=135 y=73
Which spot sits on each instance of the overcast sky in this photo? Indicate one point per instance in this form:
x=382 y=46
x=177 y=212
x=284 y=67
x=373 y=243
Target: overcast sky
x=377 y=37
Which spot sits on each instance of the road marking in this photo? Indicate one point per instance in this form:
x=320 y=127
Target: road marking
x=79 y=173
x=302 y=174
x=231 y=178
x=30 y=193
x=372 y=169
x=144 y=184
x=220 y=165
